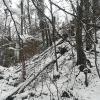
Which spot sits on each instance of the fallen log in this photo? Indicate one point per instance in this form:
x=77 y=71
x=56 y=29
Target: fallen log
x=42 y=54
x=23 y=85
x=32 y=78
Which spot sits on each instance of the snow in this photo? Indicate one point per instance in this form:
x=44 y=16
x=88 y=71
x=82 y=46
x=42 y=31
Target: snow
x=14 y=8
x=45 y=86
x=92 y=92
x=26 y=37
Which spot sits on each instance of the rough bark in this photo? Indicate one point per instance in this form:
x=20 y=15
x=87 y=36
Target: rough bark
x=22 y=58
x=22 y=15
x=81 y=58
x=29 y=17
x=87 y=20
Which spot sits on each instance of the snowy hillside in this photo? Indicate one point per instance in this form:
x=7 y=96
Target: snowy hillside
x=44 y=83
x=50 y=50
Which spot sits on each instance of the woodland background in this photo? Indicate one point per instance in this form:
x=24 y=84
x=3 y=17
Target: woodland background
x=49 y=49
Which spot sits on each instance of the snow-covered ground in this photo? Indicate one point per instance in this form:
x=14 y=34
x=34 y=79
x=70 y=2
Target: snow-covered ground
x=45 y=86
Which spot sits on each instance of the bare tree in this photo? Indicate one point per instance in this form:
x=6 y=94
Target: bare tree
x=22 y=15
x=21 y=45
x=87 y=18
x=81 y=57
x=29 y=17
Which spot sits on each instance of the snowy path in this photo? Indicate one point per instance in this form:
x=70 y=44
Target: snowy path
x=92 y=92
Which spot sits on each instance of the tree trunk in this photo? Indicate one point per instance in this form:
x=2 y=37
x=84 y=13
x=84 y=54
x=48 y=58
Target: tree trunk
x=21 y=17
x=22 y=58
x=87 y=21
x=29 y=18
x=81 y=58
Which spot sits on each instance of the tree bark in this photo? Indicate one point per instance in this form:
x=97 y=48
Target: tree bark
x=81 y=58
x=87 y=20
x=29 y=18
x=22 y=15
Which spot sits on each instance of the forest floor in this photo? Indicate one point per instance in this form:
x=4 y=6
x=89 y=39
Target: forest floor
x=46 y=87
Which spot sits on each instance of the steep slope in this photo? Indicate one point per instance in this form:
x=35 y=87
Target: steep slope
x=44 y=82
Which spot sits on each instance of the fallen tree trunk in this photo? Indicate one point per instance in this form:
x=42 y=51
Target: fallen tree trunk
x=23 y=85
x=36 y=58
x=32 y=78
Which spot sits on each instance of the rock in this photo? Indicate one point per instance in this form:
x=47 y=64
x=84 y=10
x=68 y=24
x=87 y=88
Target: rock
x=65 y=94
x=10 y=98
x=1 y=77
x=55 y=77
x=16 y=84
